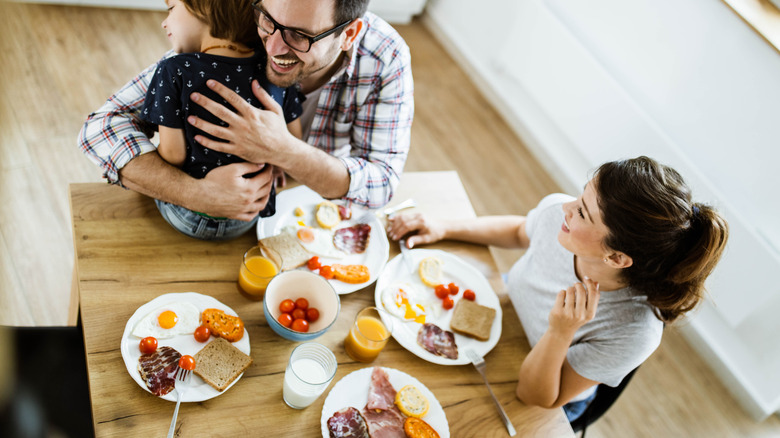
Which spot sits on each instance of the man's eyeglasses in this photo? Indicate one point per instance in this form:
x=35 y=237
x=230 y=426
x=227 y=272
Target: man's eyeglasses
x=293 y=38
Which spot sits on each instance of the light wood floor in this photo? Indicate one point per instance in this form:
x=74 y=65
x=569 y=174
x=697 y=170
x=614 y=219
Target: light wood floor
x=59 y=63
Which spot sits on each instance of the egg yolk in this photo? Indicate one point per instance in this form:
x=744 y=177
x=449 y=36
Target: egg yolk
x=167 y=319
x=306 y=235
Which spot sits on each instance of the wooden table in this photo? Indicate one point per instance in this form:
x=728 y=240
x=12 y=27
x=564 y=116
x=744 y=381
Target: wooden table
x=127 y=255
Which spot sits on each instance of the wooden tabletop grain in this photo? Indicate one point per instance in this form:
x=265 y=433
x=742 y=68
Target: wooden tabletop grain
x=126 y=255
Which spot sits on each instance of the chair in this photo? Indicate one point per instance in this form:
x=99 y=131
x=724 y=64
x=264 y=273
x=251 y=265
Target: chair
x=605 y=397
x=51 y=391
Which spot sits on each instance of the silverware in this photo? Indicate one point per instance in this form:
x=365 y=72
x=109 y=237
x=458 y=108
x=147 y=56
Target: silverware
x=479 y=364
x=409 y=203
x=407 y=256
x=182 y=382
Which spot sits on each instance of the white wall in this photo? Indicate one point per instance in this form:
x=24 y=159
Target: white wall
x=687 y=83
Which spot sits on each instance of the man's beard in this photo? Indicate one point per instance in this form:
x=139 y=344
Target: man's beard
x=302 y=70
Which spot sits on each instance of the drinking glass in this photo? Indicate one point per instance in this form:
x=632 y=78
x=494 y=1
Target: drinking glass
x=368 y=335
x=309 y=371
x=259 y=266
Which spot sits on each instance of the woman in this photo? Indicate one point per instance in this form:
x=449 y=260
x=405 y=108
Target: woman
x=601 y=276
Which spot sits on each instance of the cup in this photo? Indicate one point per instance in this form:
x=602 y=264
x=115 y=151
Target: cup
x=259 y=266
x=368 y=334
x=309 y=371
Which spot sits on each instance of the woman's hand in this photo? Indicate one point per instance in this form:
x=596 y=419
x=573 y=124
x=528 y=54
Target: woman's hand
x=427 y=230
x=574 y=307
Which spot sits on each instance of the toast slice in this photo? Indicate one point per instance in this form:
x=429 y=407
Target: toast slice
x=473 y=320
x=287 y=246
x=219 y=363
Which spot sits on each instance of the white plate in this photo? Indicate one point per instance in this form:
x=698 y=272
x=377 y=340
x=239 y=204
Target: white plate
x=454 y=269
x=184 y=344
x=352 y=390
x=375 y=256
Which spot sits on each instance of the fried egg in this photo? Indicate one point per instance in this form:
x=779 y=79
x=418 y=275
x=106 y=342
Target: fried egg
x=406 y=302
x=168 y=321
x=316 y=240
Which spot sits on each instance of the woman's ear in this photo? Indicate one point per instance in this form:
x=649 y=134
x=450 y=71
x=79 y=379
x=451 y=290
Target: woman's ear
x=618 y=260
x=350 y=34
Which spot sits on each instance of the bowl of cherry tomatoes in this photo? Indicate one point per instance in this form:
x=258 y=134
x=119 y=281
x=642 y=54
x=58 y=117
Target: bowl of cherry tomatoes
x=300 y=305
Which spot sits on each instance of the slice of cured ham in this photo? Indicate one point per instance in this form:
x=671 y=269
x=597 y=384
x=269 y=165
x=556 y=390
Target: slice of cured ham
x=352 y=240
x=437 y=341
x=381 y=394
x=158 y=370
x=388 y=423
x=347 y=423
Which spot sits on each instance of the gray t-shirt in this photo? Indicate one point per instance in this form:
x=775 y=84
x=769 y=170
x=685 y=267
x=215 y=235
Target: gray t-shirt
x=624 y=331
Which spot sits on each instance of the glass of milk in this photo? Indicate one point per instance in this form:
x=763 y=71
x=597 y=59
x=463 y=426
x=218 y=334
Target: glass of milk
x=309 y=372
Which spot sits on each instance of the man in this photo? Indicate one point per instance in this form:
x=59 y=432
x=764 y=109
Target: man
x=355 y=71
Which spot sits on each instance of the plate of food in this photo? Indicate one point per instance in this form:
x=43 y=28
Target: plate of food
x=381 y=401
x=343 y=244
x=440 y=306
x=174 y=321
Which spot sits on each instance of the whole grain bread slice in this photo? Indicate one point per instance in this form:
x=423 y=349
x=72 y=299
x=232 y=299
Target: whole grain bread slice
x=473 y=320
x=287 y=246
x=220 y=362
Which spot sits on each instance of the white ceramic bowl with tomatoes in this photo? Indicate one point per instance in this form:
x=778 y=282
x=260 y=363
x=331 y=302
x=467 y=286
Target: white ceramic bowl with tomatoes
x=303 y=287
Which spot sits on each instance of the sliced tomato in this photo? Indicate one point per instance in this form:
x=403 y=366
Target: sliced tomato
x=441 y=291
x=453 y=288
x=326 y=272
x=313 y=264
x=447 y=303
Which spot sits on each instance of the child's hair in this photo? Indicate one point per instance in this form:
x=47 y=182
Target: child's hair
x=233 y=20
x=674 y=242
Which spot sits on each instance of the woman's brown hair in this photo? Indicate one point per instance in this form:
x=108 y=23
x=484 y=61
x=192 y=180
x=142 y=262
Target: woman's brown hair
x=232 y=20
x=674 y=242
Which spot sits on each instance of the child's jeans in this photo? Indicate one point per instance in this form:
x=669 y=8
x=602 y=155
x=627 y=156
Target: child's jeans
x=201 y=227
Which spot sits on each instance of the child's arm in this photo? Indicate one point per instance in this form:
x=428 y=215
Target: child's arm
x=173 y=145
x=296 y=129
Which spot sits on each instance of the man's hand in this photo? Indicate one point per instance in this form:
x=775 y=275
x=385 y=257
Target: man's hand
x=253 y=134
x=226 y=193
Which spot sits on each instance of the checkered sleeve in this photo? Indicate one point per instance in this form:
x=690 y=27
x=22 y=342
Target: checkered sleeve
x=115 y=134
x=381 y=132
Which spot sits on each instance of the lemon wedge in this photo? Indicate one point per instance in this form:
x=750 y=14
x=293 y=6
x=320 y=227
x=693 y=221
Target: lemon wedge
x=411 y=401
x=430 y=271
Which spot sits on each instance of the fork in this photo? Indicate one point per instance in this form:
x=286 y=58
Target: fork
x=409 y=203
x=182 y=382
x=479 y=364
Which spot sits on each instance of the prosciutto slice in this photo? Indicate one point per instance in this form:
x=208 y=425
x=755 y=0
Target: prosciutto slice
x=381 y=394
x=158 y=370
x=385 y=424
x=347 y=423
x=352 y=240
x=437 y=341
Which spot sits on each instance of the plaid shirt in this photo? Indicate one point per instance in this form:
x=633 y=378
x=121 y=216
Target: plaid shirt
x=363 y=117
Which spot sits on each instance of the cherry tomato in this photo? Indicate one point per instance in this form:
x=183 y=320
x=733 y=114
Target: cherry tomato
x=447 y=303
x=469 y=295
x=298 y=314
x=312 y=314
x=313 y=264
x=327 y=272
x=453 y=288
x=300 y=325
x=441 y=291
x=302 y=303
x=285 y=319
x=202 y=333
x=287 y=306
x=148 y=345
x=187 y=362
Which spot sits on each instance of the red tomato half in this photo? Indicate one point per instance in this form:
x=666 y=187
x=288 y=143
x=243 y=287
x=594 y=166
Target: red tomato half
x=287 y=306
x=453 y=288
x=313 y=264
x=312 y=314
x=469 y=295
x=302 y=303
x=327 y=272
x=300 y=325
x=285 y=319
x=447 y=303
x=441 y=291
x=148 y=345
x=202 y=333
x=187 y=362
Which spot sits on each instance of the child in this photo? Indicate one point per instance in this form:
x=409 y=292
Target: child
x=213 y=39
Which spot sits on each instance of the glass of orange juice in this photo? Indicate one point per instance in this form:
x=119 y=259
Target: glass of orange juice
x=260 y=265
x=368 y=334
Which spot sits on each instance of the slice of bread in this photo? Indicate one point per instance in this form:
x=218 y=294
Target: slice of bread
x=473 y=320
x=219 y=363
x=287 y=246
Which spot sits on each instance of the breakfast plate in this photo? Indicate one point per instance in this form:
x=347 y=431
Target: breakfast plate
x=375 y=256
x=454 y=269
x=352 y=390
x=183 y=343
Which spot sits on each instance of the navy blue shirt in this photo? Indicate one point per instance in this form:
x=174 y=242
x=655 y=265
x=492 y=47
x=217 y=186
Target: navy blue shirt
x=168 y=103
